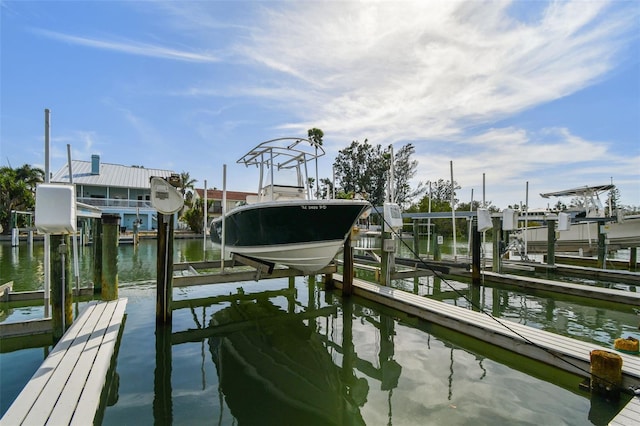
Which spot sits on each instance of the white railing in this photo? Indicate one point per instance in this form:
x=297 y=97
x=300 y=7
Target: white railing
x=116 y=203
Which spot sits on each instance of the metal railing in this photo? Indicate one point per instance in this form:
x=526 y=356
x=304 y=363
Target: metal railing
x=116 y=203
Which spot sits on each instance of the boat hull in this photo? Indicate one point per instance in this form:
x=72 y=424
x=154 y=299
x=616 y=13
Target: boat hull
x=302 y=234
x=584 y=236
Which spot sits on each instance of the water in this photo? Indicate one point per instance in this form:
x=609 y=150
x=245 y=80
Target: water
x=305 y=356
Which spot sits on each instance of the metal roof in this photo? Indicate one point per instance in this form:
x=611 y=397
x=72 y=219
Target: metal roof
x=113 y=175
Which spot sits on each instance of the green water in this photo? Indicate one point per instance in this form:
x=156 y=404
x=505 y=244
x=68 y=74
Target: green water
x=287 y=352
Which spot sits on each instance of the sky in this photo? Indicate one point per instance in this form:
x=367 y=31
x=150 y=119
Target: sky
x=515 y=94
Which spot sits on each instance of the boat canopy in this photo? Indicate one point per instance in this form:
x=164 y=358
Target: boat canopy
x=579 y=192
x=283 y=154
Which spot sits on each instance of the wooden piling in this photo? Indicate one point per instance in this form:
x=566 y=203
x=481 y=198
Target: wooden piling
x=347 y=273
x=61 y=294
x=164 y=269
x=496 y=265
x=606 y=373
x=386 y=258
x=602 y=253
x=633 y=259
x=476 y=242
x=162 y=401
x=436 y=247
x=551 y=241
x=416 y=238
x=110 y=232
x=97 y=256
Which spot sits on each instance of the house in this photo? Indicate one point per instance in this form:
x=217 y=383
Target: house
x=214 y=200
x=115 y=189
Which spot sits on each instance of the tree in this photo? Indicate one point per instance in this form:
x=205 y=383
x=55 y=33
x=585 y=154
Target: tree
x=614 y=200
x=17 y=191
x=326 y=188
x=439 y=192
x=194 y=217
x=315 y=136
x=186 y=182
x=403 y=170
x=362 y=168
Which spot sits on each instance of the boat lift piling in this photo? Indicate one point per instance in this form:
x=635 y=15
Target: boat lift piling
x=551 y=239
x=109 y=269
x=164 y=269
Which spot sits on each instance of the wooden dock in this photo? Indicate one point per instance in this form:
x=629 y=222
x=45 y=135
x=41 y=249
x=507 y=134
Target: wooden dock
x=67 y=387
x=581 y=290
x=630 y=414
x=568 y=354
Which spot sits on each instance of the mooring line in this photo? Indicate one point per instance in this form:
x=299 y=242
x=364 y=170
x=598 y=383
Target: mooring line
x=497 y=320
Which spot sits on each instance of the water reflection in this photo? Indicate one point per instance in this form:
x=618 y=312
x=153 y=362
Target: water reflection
x=281 y=359
x=589 y=320
x=273 y=366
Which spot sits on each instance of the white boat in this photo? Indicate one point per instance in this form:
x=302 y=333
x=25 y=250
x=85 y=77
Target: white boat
x=582 y=235
x=284 y=224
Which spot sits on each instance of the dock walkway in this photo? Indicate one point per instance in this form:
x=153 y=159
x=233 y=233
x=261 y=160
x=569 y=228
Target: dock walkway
x=67 y=387
x=568 y=354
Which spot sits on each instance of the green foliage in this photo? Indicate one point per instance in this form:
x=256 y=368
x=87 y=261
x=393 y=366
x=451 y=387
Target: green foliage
x=315 y=136
x=404 y=168
x=17 y=192
x=614 y=200
x=186 y=183
x=364 y=168
x=194 y=217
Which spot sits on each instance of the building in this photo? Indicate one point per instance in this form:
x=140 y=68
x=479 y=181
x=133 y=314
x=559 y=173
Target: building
x=214 y=199
x=115 y=189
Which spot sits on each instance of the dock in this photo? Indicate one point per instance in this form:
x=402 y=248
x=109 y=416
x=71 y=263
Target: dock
x=568 y=354
x=630 y=414
x=68 y=387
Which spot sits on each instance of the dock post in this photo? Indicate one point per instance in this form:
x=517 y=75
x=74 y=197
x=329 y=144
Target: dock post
x=110 y=232
x=602 y=252
x=476 y=241
x=551 y=240
x=97 y=256
x=162 y=402
x=61 y=295
x=164 y=280
x=347 y=273
x=633 y=259
x=606 y=373
x=496 y=265
x=385 y=268
x=416 y=238
x=436 y=247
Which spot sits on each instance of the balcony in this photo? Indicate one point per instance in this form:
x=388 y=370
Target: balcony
x=116 y=203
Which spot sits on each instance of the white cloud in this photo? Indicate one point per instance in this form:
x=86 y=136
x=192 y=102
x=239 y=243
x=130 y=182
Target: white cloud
x=131 y=47
x=427 y=70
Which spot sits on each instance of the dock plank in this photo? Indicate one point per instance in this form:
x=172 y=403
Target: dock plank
x=84 y=362
x=74 y=373
x=90 y=397
x=630 y=414
x=20 y=408
x=567 y=353
x=563 y=352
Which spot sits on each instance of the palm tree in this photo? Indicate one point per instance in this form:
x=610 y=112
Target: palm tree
x=31 y=176
x=315 y=136
x=17 y=191
x=186 y=183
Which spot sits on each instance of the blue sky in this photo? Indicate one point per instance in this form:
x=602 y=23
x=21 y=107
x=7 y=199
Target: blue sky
x=529 y=91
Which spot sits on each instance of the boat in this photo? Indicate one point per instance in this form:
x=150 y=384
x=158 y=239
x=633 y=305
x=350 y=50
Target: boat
x=584 y=219
x=284 y=223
